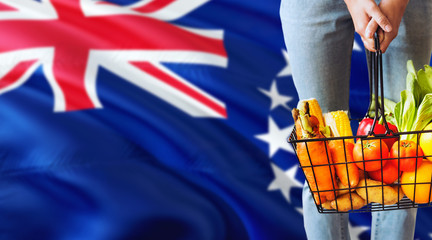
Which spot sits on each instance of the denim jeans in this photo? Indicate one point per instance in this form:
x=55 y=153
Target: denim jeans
x=319 y=37
x=391 y=225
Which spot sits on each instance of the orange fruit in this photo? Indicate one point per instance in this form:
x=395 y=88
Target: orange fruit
x=425 y=142
x=422 y=183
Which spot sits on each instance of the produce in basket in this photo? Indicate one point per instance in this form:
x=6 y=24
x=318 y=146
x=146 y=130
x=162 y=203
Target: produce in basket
x=348 y=201
x=314 y=110
x=370 y=154
x=327 y=205
x=425 y=142
x=339 y=124
x=408 y=154
x=366 y=125
x=313 y=153
x=342 y=150
x=389 y=171
x=420 y=183
x=342 y=189
x=315 y=120
x=342 y=156
x=375 y=191
x=414 y=111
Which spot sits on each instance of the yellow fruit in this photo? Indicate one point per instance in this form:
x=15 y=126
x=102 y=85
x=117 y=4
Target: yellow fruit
x=422 y=183
x=426 y=142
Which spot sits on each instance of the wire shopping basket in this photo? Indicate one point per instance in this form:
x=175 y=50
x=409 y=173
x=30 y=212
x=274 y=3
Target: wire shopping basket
x=405 y=183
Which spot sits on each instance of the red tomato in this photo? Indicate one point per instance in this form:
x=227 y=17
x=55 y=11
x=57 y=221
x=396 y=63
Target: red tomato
x=373 y=152
x=389 y=171
x=391 y=141
x=366 y=124
x=408 y=155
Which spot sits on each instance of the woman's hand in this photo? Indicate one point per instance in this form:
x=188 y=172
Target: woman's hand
x=394 y=10
x=367 y=16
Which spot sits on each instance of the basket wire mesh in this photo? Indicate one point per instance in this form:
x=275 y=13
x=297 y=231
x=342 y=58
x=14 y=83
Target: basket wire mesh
x=403 y=203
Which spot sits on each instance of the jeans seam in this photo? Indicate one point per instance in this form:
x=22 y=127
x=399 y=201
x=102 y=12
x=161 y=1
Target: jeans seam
x=376 y=224
x=342 y=227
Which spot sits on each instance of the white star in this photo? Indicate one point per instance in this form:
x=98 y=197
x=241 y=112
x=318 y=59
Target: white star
x=356 y=231
x=286 y=71
x=430 y=235
x=356 y=47
x=276 y=98
x=284 y=181
x=276 y=138
x=299 y=210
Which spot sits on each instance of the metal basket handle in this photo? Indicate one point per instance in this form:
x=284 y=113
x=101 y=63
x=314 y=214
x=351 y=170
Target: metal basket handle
x=376 y=87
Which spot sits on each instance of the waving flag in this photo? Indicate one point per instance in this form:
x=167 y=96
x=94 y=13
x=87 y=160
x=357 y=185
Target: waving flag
x=71 y=40
x=152 y=119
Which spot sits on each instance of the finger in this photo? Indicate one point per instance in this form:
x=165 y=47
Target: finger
x=371 y=28
x=384 y=40
x=369 y=44
x=385 y=43
x=379 y=17
x=384 y=46
x=381 y=35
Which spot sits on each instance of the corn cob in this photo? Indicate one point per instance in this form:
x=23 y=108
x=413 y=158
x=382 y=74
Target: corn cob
x=339 y=124
x=315 y=110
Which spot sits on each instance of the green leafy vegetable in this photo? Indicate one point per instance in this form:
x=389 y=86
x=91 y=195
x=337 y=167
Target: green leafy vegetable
x=424 y=78
x=409 y=110
x=424 y=113
x=389 y=106
x=414 y=111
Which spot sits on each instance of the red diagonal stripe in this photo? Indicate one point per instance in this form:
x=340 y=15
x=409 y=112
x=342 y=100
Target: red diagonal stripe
x=5 y=7
x=106 y=3
x=16 y=73
x=154 y=6
x=154 y=71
